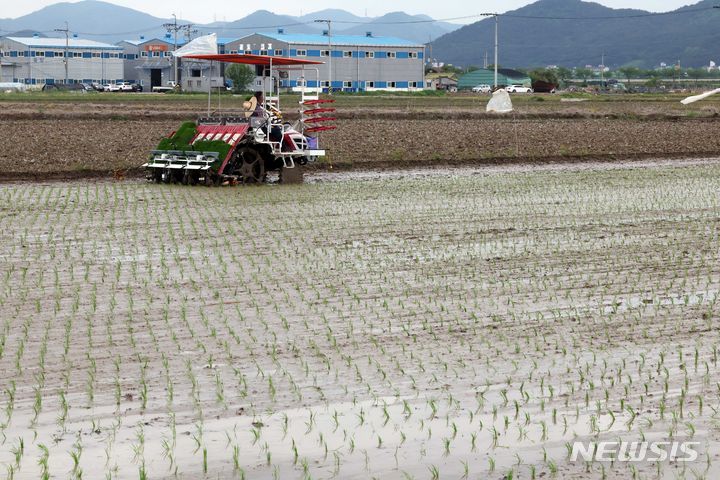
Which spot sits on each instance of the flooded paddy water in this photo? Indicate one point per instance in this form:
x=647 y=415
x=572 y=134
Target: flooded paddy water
x=415 y=324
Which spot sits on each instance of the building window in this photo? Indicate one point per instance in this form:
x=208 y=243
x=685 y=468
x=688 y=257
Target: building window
x=39 y=54
x=157 y=54
x=233 y=52
x=258 y=83
x=369 y=84
x=76 y=54
x=412 y=84
x=248 y=52
x=325 y=84
x=347 y=54
x=302 y=53
x=391 y=84
x=413 y=55
x=143 y=54
x=114 y=55
x=198 y=83
x=196 y=73
x=278 y=53
x=263 y=52
x=391 y=54
x=300 y=82
x=324 y=53
x=369 y=54
x=347 y=84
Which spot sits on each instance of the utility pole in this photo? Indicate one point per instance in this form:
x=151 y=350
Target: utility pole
x=602 y=70
x=66 y=31
x=496 y=15
x=496 y=52
x=329 y=34
x=174 y=28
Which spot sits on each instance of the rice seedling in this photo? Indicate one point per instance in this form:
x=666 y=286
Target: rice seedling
x=438 y=318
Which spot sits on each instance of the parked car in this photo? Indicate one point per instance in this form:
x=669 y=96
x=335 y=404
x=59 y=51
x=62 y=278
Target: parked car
x=136 y=87
x=518 y=89
x=482 y=89
x=62 y=87
x=111 y=87
x=126 y=87
x=98 y=87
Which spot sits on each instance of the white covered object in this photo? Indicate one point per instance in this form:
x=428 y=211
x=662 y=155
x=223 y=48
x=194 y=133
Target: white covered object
x=206 y=45
x=500 y=102
x=697 y=98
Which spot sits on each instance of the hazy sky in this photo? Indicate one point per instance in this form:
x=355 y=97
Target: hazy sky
x=208 y=10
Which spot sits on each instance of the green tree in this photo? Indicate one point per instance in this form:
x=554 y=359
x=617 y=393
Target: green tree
x=583 y=73
x=563 y=74
x=696 y=74
x=548 y=75
x=241 y=76
x=629 y=73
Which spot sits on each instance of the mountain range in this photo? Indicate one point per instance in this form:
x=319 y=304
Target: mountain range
x=122 y=23
x=548 y=32
x=578 y=33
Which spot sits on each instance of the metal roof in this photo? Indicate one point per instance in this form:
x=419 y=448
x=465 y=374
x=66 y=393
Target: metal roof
x=339 y=40
x=45 y=42
x=264 y=60
x=140 y=41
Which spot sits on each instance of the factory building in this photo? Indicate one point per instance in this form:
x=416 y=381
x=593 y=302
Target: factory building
x=39 y=60
x=358 y=63
x=148 y=62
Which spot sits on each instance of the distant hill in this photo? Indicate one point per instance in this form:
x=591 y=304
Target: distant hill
x=336 y=15
x=399 y=24
x=259 y=21
x=553 y=32
x=121 y=23
x=89 y=19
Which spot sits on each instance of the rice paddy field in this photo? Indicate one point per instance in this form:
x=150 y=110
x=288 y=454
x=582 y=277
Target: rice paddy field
x=464 y=323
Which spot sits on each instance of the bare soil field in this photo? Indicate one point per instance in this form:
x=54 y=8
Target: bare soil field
x=466 y=323
x=65 y=139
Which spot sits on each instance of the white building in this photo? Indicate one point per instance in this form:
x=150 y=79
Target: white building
x=40 y=60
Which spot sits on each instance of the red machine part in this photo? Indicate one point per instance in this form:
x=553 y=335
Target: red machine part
x=316 y=111
x=323 y=128
x=318 y=102
x=229 y=134
x=319 y=119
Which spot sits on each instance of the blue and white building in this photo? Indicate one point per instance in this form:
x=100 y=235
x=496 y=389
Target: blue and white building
x=359 y=63
x=41 y=60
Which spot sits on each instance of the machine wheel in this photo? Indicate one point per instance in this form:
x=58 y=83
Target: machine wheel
x=249 y=166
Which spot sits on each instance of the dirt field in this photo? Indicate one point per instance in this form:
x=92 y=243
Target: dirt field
x=54 y=138
x=464 y=323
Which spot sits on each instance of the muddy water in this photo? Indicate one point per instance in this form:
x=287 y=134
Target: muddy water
x=387 y=324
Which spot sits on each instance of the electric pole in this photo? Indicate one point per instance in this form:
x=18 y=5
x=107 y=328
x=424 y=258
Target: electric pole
x=329 y=34
x=496 y=52
x=174 y=28
x=496 y=15
x=66 y=31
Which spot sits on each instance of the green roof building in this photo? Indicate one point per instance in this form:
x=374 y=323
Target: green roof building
x=484 y=76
